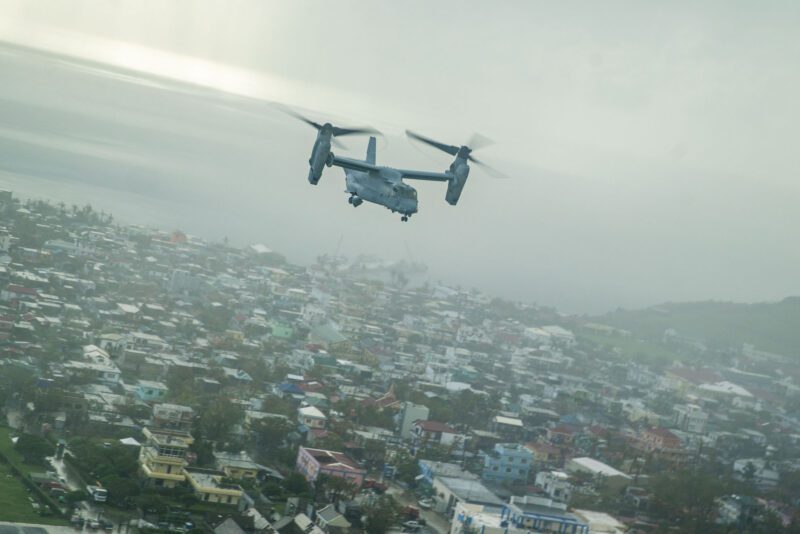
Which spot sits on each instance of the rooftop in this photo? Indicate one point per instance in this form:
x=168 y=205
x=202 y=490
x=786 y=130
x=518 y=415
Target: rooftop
x=471 y=491
x=598 y=467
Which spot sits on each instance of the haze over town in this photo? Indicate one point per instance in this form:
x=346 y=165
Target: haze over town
x=199 y=334
x=650 y=147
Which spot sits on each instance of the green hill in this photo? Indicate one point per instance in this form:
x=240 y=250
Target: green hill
x=772 y=326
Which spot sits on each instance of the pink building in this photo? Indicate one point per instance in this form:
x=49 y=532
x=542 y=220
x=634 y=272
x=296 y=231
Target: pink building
x=311 y=463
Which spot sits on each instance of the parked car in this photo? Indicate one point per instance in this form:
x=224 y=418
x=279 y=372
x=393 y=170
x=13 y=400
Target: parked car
x=425 y=504
x=412 y=526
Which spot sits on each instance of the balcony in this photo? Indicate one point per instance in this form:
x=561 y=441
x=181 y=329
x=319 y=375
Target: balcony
x=177 y=476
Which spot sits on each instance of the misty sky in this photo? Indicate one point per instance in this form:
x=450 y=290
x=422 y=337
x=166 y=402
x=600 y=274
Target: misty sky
x=652 y=145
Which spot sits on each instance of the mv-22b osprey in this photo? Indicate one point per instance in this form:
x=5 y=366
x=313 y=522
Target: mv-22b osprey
x=384 y=185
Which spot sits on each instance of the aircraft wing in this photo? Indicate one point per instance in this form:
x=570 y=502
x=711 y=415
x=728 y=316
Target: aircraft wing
x=425 y=175
x=354 y=164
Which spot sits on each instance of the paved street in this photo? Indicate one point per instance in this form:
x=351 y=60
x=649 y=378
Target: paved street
x=90 y=509
x=434 y=521
x=30 y=528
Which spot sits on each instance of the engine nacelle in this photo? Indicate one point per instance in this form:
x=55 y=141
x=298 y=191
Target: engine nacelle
x=320 y=157
x=456 y=184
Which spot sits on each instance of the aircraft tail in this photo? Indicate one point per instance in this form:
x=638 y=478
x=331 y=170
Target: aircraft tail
x=371 y=151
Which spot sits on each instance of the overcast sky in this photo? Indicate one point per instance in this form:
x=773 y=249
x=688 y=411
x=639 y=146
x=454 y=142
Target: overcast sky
x=652 y=144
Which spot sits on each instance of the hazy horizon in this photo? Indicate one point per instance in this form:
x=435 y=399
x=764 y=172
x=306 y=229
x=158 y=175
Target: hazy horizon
x=651 y=147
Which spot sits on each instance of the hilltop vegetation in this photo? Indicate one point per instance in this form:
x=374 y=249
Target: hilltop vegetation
x=771 y=327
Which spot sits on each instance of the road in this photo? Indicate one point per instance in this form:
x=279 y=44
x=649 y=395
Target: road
x=91 y=510
x=434 y=521
x=30 y=528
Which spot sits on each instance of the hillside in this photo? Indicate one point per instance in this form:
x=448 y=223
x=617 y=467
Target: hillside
x=772 y=327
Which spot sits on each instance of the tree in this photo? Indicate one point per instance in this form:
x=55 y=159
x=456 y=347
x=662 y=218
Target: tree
x=407 y=468
x=336 y=488
x=18 y=383
x=76 y=496
x=34 y=449
x=296 y=484
x=382 y=515
x=749 y=472
x=120 y=490
x=219 y=417
x=97 y=462
x=271 y=432
x=687 y=495
x=331 y=442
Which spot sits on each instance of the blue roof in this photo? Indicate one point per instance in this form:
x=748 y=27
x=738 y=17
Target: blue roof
x=288 y=387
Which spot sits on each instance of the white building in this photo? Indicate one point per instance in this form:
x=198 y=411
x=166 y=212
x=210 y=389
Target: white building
x=477 y=518
x=598 y=470
x=537 y=335
x=690 y=418
x=555 y=484
x=725 y=390
x=410 y=412
x=312 y=417
x=560 y=335
x=601 y=523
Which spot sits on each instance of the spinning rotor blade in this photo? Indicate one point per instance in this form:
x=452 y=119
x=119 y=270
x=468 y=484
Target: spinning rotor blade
x=336 y=131
x=450 y=149
x=354 y=131
x=304 y=119
x=478 y=141
x=491 y=171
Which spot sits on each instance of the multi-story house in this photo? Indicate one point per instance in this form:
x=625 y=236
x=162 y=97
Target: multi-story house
x=163 y=456
x=311 y=417
x=409 y=413
x=433 y=433
x=659 y=440
x=311 y=463
x=236 y=464
x=173 y=417
x=508 y=462
x=690 y=418
x=210 y=486
x=555 y=484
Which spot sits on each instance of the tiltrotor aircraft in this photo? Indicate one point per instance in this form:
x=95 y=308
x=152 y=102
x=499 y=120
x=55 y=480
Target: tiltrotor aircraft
x=384 y=185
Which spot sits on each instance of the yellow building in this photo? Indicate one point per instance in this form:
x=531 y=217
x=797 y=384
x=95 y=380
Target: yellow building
x=163 y=457
x=208 y=485
x=236 y=464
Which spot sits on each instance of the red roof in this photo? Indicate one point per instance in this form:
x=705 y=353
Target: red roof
x=434 y=426
x=664 y=434
x=330 y=458
x=14 y=288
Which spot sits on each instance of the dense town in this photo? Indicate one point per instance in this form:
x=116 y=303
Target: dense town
x=154 y=381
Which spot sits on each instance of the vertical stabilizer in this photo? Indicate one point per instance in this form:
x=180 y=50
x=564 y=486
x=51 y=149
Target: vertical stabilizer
x=371 y=151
